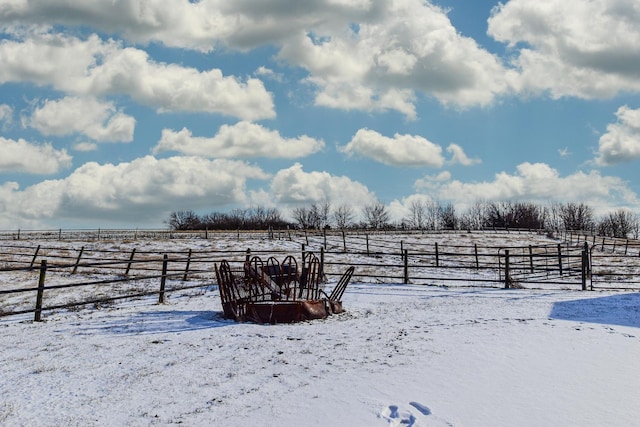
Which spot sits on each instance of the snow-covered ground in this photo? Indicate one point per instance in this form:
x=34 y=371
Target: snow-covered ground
x=402 y=355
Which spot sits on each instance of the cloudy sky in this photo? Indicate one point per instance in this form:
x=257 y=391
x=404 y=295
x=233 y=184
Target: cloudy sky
x=115 y=113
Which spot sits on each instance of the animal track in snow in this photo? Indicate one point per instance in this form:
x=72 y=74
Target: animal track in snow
x=412 y=415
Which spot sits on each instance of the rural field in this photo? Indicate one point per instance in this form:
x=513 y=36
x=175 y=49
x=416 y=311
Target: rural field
x=437 y=332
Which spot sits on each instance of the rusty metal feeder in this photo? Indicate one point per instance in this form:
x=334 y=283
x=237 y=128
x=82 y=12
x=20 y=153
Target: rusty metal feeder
x=275 y=292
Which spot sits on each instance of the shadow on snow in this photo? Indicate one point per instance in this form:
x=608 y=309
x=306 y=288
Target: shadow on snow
x=155 y=322
x=622 y=310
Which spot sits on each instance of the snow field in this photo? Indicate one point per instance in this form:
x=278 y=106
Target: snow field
x=401 y=355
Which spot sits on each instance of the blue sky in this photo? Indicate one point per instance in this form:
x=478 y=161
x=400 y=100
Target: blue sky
x=114 y=114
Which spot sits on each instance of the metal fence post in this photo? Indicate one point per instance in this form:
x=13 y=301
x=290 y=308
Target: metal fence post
x=507 y=278
x=321 y=274
x=405 y=255
x=584 y=269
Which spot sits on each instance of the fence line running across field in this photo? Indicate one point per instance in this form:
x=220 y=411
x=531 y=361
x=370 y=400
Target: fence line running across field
x=43 y=274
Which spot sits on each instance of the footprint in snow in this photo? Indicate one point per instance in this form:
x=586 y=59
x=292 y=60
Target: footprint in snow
x=412 y=415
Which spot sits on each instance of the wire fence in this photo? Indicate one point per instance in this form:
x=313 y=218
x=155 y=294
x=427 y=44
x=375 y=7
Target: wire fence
x=61 y=274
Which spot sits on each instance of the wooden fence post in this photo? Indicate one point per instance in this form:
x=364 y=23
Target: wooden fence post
x=560 y=258
x=304 y=253
x=321 y=275
x=437 y=256
x=507 y=278
x=163 y=280
x=531 y=258
x=43 y=273
x=475 y=250
x=324 y=233
x=344 y=241
x=75 y=267
x=35 y=255
x=186 y=268
x=367 y=237
x=405 y=255
x=133 y=253
x=247 y=257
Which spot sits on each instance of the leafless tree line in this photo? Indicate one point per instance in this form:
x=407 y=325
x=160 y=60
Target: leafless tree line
x=258 y=218
x=423 y=214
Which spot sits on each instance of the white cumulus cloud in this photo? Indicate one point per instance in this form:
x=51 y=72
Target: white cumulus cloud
x=587 y=49
x=621 y=142
x=535 y=182
x=405 y=47
x=242 y=140
x=100 y=121
x=459 y=156
x=365 y=55
x=144 y=189
x=294 y=186
x=93 y=67
x=401 y=150
x=23 y=156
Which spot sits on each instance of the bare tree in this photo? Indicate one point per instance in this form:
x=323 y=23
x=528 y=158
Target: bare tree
x=302 y=216
x=324 y=210
x=474 y=218
x=343 y=216
x=417 y=214
x=447 y=217
x=498 y=214
x=376 y=215
x=621 y=223
x=577 y=216
x=184 y=220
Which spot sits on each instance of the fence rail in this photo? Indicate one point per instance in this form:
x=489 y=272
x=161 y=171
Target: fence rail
x=35 y=278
